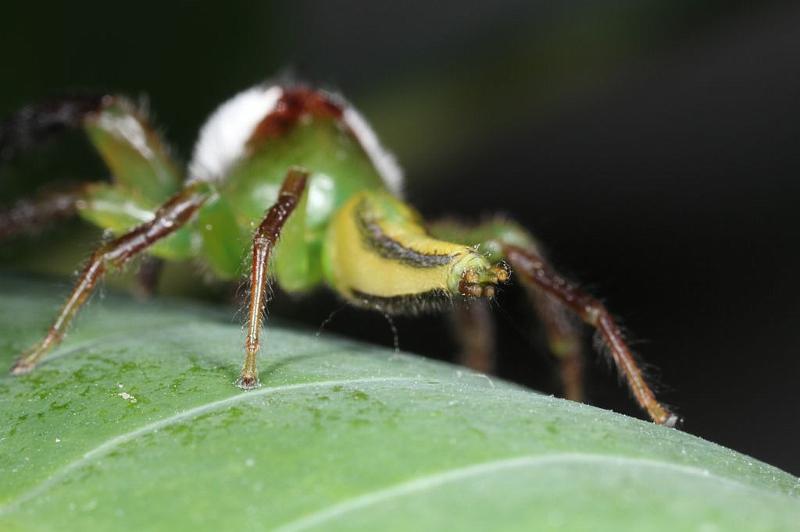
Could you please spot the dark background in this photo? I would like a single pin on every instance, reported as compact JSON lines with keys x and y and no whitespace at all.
{"x":651,"y":145}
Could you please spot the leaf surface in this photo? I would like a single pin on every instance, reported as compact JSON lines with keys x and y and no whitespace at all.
{"x":134,"y":424}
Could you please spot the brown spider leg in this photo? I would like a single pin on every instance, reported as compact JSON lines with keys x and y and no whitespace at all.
{"x":36,"y":123}
{"x":563,"y":339}
{"x":533,"y":269}
{"x":33,"y":214}
{"x":148,"y":276}
{"x":170,"y":217}
{"x":474,"y":330}
{"x":264,"y":241}
{"x":563,"y":334}
{"x":475,"y":333}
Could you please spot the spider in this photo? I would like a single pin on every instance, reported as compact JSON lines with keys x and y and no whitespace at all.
{"x":334,"y":197}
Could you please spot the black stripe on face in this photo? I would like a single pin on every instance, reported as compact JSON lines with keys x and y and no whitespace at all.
{"x":391,"y":249}
{"x":430,"y":302}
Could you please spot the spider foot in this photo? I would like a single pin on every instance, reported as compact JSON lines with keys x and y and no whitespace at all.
{"x":22,"y":366}
{"x":673,"y":422}
{"x":248,"y":382}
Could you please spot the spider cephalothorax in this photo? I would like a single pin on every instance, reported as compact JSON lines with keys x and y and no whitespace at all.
{"x":333,"y":196}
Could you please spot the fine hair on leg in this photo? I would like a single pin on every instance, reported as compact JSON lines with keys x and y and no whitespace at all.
{"x":264,"y":240}
{"x":562,"y":331}
{"x":36,"y":123}
{"x":564,"y":339}
{"x":535,"y":270}
{"x":31,"y":215}
{"x":170,"y":217}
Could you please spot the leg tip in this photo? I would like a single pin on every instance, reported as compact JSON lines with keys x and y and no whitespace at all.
{"x":21,"y":368}
{"x":248,"y":382}
{"x":673,"y":421}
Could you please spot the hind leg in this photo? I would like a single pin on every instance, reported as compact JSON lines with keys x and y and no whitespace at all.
{"x":32,"y":215}
{"x":34,"y":124}
{"x":120,"y":131}
{"x":143,"y":174}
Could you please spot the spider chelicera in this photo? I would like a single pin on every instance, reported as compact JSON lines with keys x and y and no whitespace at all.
{"x":333,"y":196}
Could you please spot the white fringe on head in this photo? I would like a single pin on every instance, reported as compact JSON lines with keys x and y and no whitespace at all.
{"x":224,"y":137}
{"x":225,"y":134}
{"x":384,"y":162}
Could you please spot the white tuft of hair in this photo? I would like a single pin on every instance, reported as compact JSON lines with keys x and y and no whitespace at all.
{"x":224,"y":136}
{"x":384,"y":162}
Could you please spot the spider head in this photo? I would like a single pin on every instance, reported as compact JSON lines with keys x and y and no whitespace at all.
{"x":476,"y":277}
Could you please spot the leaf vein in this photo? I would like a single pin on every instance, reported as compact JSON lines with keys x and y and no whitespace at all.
{"x":435,"y":480}
{"x":112,"y":443}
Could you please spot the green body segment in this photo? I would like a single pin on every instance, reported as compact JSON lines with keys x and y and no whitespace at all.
{"x":338,"y":167}
{"x":143,"y":173}
{"x":348,"y":231}
{"x":332,"y":221}
{"x":221,"y":234}
{"x":138,"y":160}
{"x":489,"y":237}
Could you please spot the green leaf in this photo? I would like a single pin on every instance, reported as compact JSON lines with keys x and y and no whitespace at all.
{"x":134,"y":424}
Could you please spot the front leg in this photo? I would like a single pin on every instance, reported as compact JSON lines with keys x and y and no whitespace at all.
{"x":264,"y":241}
{"x":170,"y":217}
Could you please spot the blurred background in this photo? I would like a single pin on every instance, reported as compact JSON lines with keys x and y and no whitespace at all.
{"x":652,"y":145}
